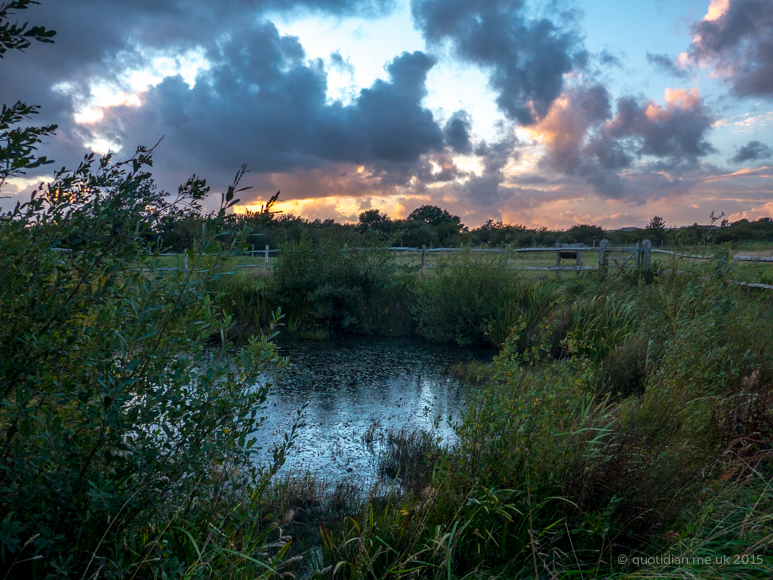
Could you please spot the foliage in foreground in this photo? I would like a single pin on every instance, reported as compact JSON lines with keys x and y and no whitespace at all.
{"x":127,"y":441}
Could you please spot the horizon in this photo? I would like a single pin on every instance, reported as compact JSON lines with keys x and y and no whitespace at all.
{"x":668,"y":226}
{"x":547,"y":114}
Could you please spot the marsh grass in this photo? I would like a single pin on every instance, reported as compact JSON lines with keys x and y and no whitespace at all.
{"x":243,"y":296}
{"x":730,"y":536}
{"x":597,"y":326}
{"x":623,"y":415}
{"x":409,"y":456}
{"x":474,"y":300}
{"x":648,"y":433}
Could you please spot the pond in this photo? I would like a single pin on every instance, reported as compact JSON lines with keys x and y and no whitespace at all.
{"x":353,"y":384}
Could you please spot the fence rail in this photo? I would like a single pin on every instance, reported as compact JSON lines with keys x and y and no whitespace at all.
{"x":639,"y":255}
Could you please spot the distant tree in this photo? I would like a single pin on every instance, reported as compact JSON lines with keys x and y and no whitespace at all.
{"x":656,"y":229}
{"x":448,"y":226}
{"x":434,"y":216}
{"x":583,"y":234}
{"x":657,"y":224}
{"x":372,"y":218}
{"x":498,"y":234}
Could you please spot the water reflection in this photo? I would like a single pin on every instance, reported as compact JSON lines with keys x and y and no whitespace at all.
{"x":349,"y":385}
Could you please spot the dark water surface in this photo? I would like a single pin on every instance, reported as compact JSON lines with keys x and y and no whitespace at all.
{"x":348,"y":385}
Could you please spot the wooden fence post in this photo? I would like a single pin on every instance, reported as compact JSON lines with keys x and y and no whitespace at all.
{"x":558,"y":260}
{"x":646,"y":248}
{"x":579,"y":263}
{"x":423,"y":251}
{"x":639,"y":259}
{"x":266,"y":256}
{"x":603,"y":255}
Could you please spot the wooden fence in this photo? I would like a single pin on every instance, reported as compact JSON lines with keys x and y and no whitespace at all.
{"x":638,"y":256}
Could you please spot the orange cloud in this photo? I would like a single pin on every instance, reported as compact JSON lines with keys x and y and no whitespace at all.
{"x":676,"y":98}
{"x":753,"y":214}
{"x":717,"y":9}
{"x":745,"y":172}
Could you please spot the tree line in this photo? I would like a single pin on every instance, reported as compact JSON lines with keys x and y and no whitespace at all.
{"x":433,"y":226}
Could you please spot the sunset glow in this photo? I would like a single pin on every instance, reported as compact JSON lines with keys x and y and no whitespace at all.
{"x":486,"y":110}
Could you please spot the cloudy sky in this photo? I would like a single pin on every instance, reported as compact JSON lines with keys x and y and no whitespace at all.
{"x":545,"y":113}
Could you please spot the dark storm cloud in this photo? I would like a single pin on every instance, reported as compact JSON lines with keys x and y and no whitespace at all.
{"x":584,"y":139}
{"x":575,"y":143}
{"x":666,"y":64}
{"x":486,"y":190}
{"x":457,"y":132}
{"x":752,"y":151}
{"x":338,"y":62}
{"x":740,"y":44}
{"x":97,"y":40}
{"x":676,"y":134}
{"x":90,"y":33}
{"x":526,"y":58}
{"x":496,"y":155}
{"x":263,"y":104}
{"x":567,"y":124}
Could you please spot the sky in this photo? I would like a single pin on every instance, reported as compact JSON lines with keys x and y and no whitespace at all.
{"x":544,"y":113}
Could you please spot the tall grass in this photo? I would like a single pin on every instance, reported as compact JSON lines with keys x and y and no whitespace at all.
{"x":357,"y":291}
{"x":244,"y":298}
{"x":566,"y":463}
{"x":628,"y":417}
{"x":472,"y":300}
{"x":592,"y":328}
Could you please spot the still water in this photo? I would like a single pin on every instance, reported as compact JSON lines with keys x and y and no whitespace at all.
{"x":350,"y":385}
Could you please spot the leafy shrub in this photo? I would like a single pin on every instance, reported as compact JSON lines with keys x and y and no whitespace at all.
{"x":472,"y":299}
{"x":592,"y":328}
{"x":356,"y":291}
{"x":124,"y":437}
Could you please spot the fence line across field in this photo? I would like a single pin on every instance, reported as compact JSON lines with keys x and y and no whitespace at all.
{"x":640,"y":255}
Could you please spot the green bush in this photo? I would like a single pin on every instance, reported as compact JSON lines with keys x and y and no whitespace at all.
{"x":349,"y":290}
{"x":126,"y":437}
{"x":471,"y":299}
